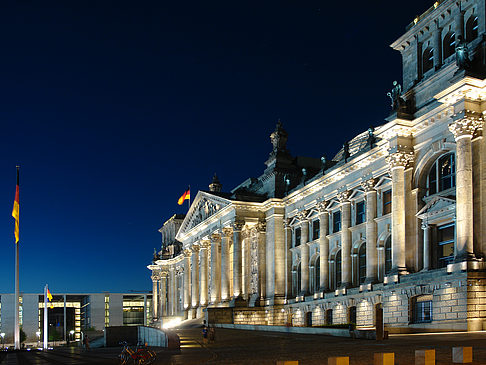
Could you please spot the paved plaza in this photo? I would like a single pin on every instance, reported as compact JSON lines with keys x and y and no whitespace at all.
{"x":250,"y":347}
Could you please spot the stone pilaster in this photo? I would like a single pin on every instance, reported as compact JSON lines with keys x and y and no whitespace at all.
{"x":288,"y":261}
{"x":163,"y":293}
{"x":371,"y":231}
{"x":187,"y":279}
{"x":155,"y":296}
{"x":397,"y":162}
{"x":463,"y":131}
{"x":304,"y":254}
{"x":195,"y":276}
{"x":225,"y":263}
{"x":237,"y":258}
{"x":323,"y":246}
{"x":203,"y":273}
{"x":426,"y":229}
{"x":459,"y":22}
{"x":262,"y":259}
{"x":437,"y":45}
{"x":215,"y":283}
{"x":346,"y":279}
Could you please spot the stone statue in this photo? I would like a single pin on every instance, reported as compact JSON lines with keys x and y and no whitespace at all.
{"x":346,"y":151}
{"x":323,"y":162}
{"x":394,"y":94}
{"x":462,"y":54}
{"x":371,"y":137}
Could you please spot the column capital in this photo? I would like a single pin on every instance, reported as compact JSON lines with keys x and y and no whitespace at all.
{"x":424,"y":225}
{"x":302,"y":216}
{"x":400,"y":159}
{"x":261,"y":226}
{"x":187,"y":252}
{"x":238,"y":224}
{"x":226,"y":232}
{"x":155,"y":278}
{"x":343,"y":196}
{"x":205,"y":244}
{"x":467,"y":126}
{"x":322,"y":207}
{"x":164,"y":274}
{"x":286,"y":223}
{"x":368,"y":185}
{"x":195,"y":248}
{"x":215,"y":238}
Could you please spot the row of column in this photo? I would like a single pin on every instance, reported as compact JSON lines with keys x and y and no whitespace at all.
{"x":164,"y":293}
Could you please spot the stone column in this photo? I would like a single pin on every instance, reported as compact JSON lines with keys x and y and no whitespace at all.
{"x":371,"y":232}
{"x":187,"y":278}
{"x":262,"y":259}
{"x":172,"y":308}
{"x":195,"y":276}
{"x":304,"y":254}
{"x":418,"y":50}
{"x":437,"y":45}
{"x":426,"y":229}
{"x":463,"y":131}
{"x":288,"y":257}
{"x":397,"y":162}
{"x":323,"y":246}
{"x":237,"y":262}
{"x":345,"y":239}
{"x":203,"y":273}
{"x":163,"y":293}
{"x":215,"y":268}
{"x":225,"y":263}
{"x":155,"y":296}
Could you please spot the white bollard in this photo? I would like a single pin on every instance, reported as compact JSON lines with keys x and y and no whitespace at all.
{"x":340,"y":360}
{"x":384,"y":358}
{"x":462,"y":355}
{"x":424,"y":357}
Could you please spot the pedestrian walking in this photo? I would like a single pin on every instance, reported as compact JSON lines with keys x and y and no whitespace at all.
{"x":86,"y":342}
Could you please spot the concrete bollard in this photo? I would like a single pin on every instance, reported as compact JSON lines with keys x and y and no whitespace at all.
{"x":462,"y":355}
{"x":384,"y":358}
{"x":424,"y":357}
{"x":287,"y":363}
{"x":340,"y":360}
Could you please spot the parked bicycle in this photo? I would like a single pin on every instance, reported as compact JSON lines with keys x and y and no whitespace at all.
{"x":140,"y":356}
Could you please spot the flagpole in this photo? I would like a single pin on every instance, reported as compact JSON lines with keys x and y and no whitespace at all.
{"x":45,"y":318}
{"x":17,"y":290}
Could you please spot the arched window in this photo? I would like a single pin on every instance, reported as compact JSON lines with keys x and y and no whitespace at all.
{"x":317,"y":274}
{"x":338,"y":270}
{"x":362,"y":263}
{"x":472,"y":26}
{"x":388,"y":255}
{"x":442,"y":175}
{"x":449,"y":44}
{"x":428,"y":59}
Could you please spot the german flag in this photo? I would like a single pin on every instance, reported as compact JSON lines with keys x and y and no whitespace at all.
{"x":185,"y":196}
{"x":16,"y":209}
{"x":49,"y":298}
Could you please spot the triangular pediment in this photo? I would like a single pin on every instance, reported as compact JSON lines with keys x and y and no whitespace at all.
{"x":436,"y":206}
{"x":204,"y":206}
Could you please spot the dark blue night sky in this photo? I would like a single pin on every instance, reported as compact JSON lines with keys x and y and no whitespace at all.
{"x":112,"y":108}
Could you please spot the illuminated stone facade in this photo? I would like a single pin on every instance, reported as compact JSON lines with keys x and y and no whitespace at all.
{"x":395,"y":222}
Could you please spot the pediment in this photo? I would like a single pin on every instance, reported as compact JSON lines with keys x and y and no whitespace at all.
{"x":436,"y":206}
{"x":204,"y":206}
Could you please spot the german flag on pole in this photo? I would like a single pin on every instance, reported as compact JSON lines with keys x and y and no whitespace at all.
{"x":49,"y":298}
{"x":16,"y":209}
{"x":185,"y":196}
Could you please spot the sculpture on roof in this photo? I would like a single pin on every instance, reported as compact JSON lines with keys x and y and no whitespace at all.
{"x":394,"y":95}
{"x":279,"y":138}
{"x":462,"y":54}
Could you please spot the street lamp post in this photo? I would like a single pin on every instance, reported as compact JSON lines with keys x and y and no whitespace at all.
{"x":38,"y":333}
{"x":2,"y":335}
{"x":71,"y":335}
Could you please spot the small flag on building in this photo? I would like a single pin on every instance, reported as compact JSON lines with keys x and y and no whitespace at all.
{"x":16,"y":209}
{"x":185,"y":196}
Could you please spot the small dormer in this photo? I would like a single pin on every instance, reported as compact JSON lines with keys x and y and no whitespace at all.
{"x":430,"y":43}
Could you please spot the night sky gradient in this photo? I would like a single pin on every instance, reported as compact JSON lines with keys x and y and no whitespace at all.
{"x":113,"y":108}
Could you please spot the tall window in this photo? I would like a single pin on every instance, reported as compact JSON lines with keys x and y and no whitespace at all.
{"x":445,"y":245}
{"x":298,"y":277}
{"x":422,"y":309}
{"x":317,"y":274}
{"x":388,"y":255}
{"x":297,"y":236}
{"x":449,"y":44}
{"x":338,"y":269}
{"x":360,"y":212}
{"x":329,"y":316}
{"x":336,"y":221}
{"x":362,"y":263}
{"x":315,"y":229}
{"x":472,"y":27}
{"x":428,"y":60}
{"x":442,"y":175}
{"x":387,"y":202}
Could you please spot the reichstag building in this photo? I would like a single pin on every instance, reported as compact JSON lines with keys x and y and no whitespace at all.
{"x":392,"y":229}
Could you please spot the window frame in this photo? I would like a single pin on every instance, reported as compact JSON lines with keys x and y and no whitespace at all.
{"x":436,"y":179}
{"x":386,"y":203}
{"x":336,"y":213}
{"x":422,"y":309}
{"x":316,"y":223}
{"x":359,"y":214}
